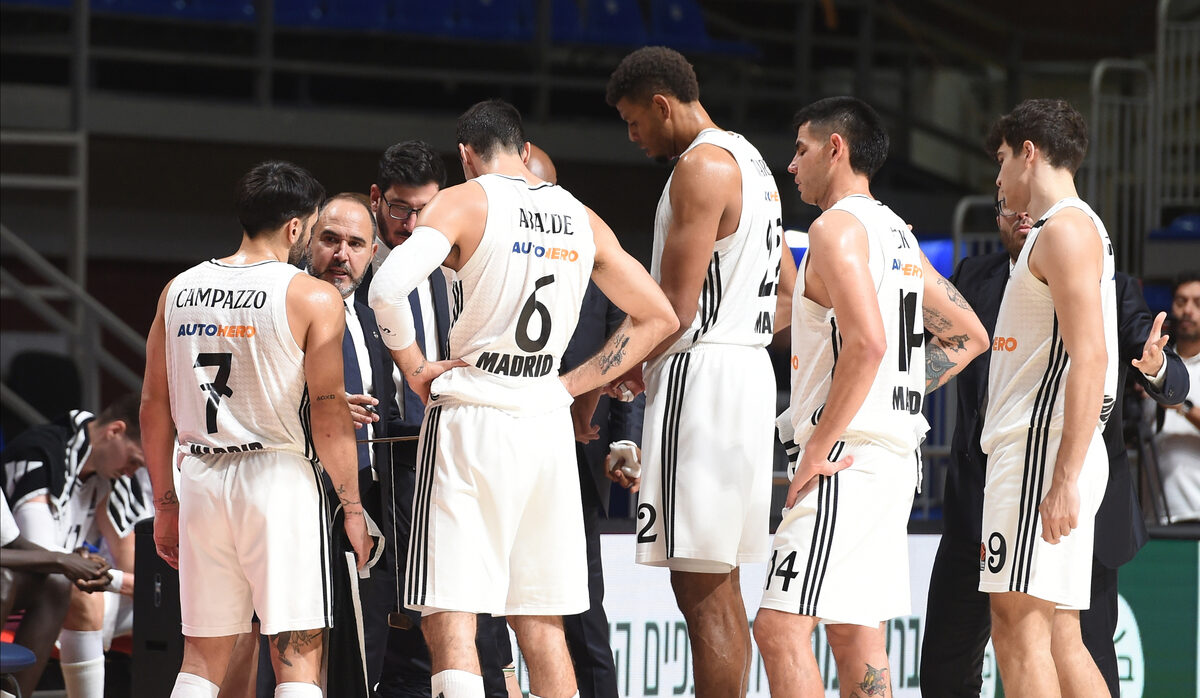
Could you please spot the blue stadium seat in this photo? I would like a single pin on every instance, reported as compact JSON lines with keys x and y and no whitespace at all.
{"x":332,"y":14}
{"x":495,"y":19}
{"x":616,"y":22}
{"x":240,"y":11}
{"x":38,"y":3}
{"x":566,"y":24}
{"x":940,"y":252}
{"x":425,"y":17}
{"x":680,"y":25}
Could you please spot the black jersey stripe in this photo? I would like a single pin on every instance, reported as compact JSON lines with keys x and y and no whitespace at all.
{"x":417,"y":580}
{"x":305,"y":415}
{"x":676,"y":388}
{"x":1035,"y":465}
{"x":325,"y":514}
{"x":819,"y":547}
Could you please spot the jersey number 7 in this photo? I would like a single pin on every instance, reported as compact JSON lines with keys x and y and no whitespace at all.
{"x":218,"y":388}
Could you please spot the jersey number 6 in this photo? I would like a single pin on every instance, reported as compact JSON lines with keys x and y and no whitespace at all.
{"x":532,"y":305}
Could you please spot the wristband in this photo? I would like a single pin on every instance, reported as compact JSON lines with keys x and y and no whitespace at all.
{"x":117,"y":578}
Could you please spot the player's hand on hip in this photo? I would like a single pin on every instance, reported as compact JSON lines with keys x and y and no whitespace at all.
{"x":1060,"y":512}
{"x":805,"y":480}
{"x":166,"y":535}
{"x":356,"y":530}
{"x":362,"y":409}
{"x":582,"y":410}
{"x":1151,"y":360}
{"x":420,"y":379}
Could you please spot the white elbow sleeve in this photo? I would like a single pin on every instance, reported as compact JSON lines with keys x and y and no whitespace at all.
{"x":403,"y":269}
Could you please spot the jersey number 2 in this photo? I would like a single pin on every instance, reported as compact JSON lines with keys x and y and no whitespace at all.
{"x":218,"y":388}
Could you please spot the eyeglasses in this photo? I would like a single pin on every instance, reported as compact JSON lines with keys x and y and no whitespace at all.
{"x":400,"y":212}
{"x":1002,"y":210}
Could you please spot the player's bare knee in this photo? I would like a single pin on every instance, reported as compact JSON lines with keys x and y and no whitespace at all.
{"x":57,"y":589}
{"x":84,"y":611}
{"x":774,"y":632}
{"x":855,"y":640}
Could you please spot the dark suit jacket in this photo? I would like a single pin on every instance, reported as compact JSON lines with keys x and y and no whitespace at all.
{"x":598,"y":317}
{"x":1120,"y":531}
{"x":389,"y":423}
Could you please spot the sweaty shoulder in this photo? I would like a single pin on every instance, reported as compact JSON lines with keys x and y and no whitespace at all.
{"x":307,"y":296}
{"x":706,"y":161}
{"x":453,"y":205}
{"x":834,"y":224}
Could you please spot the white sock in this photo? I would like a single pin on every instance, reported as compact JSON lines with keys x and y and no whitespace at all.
{"x":75,"y":646}
{"x":192,"y":686}
{"x":84,"y":679}
{"x":296,"y":689}
{"x":455,"y":683}
{"x":573,"y":695}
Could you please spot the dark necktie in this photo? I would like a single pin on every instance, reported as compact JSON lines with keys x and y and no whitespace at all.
{"x":353,"y":379}
{"x":414,"y":410}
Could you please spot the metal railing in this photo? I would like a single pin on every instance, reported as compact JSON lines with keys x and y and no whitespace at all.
{"x":1121,"y":171}
{"x":1177,"y":65}
{"x":84,"y":333}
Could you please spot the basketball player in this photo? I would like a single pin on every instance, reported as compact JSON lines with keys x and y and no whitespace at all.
{"x":710,"y":388}
{"x":244,"y":360}
{"x":865,"y":296}
{"x":74,"y":485}
{"x":497,"y":525}
{"x":1051,"y":387}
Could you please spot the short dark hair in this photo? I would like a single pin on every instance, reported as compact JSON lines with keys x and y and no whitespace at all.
{"x":126,"y":409}
{"x":355,"y":197}
{"x":1053,"y":125}
{"x":274,"y":192}
{"x":489,"y":125}
{"x":411,"y":164}
{"x":652,"y":70}
{"x":856,"y":122}
{"x":1187,"y":276}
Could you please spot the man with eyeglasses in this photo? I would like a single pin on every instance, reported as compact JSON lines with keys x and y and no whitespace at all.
{"x":410,"y":174}
{"x":958,"y":620}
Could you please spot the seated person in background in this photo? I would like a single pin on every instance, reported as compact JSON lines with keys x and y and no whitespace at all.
{"x":38,"y":581}
{"x":58,"y":477}
{"x":1178,"y":438}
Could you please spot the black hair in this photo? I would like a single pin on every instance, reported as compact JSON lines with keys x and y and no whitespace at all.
{"x":274,"y":192}
{"x":126,"y":409}
{"x":1188,"y":276}
{"x":489,"y":125}
{"x":652,"y":70}
{"x":856,"y":122}
{"x":411,"y":164}
{"x":1053,"y":125}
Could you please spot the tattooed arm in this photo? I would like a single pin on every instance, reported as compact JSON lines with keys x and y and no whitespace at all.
{"x":648,"y":316}
{"x":958,"y":336}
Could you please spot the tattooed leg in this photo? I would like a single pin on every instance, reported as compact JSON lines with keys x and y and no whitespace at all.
{"x":862,"y":660}
{"x":296,"y":655}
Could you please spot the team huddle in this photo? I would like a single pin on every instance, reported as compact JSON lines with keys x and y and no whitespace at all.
{"x":248,"y":411}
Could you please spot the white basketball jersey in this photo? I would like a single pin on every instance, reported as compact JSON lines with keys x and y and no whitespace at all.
{"x":891,"y":414}
{"x":517,"y":298}
{"x":737,"y":302}
{"x":236,"y":373}
{"x":1029,"y":364}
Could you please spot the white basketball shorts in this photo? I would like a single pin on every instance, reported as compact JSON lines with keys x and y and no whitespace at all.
{"x":841,"y":553}
{"x":497,"y":524}
{"x":253,"y":537}
{"x":1013,"y":556}
{"x":707,"y":457}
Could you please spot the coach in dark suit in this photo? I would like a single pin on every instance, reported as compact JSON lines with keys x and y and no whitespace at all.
{"x":587,"y":632}
{"x":958,"y":620}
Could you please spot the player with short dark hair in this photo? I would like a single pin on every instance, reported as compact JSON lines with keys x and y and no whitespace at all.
{"x":244,"y":362}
